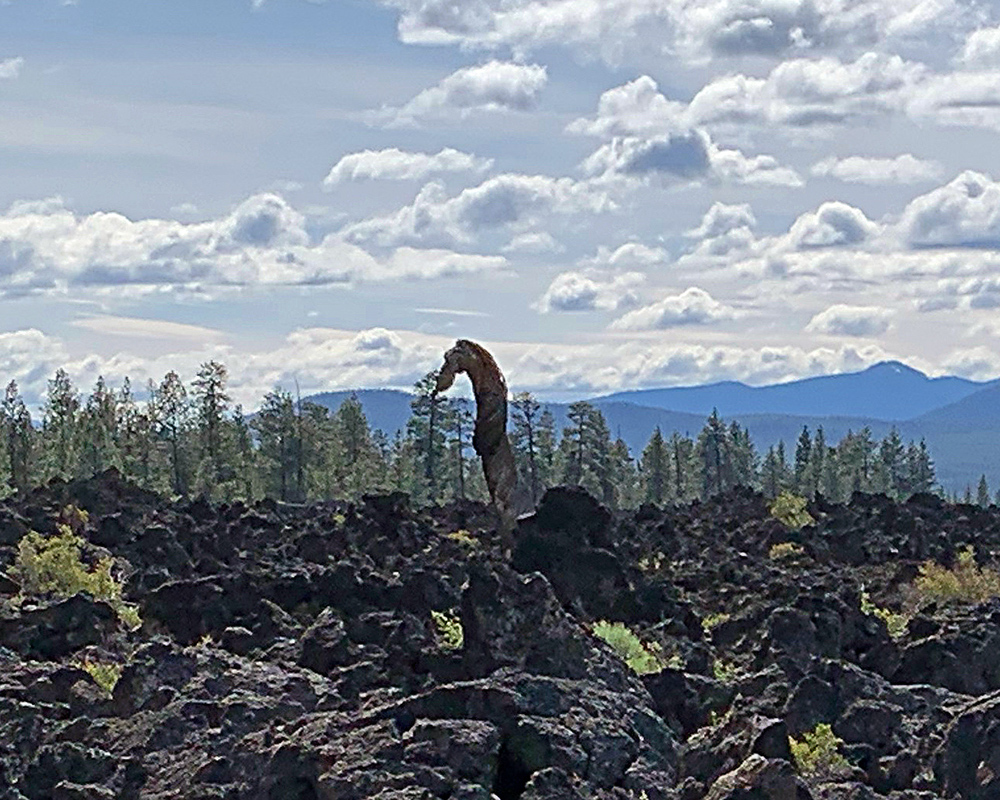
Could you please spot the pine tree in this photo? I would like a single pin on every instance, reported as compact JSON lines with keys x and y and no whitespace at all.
{"x":983,"y":493}
{"x":426,"y":432}
{"x":682,"y":457}
{"x":548,"y":446}
{"x":211,"y":403}
{"x":244,"y":457}
{"x":60,"y":433}
{"x":173,"y":420}
{"x":357,"y":451}
{"x":920,"y":468}
{"x":654,"y":467}
{"x":771,"y":474}
{"x":892,"y":466}
{"x":803,"y":453}
{"x":624,"y":476}
{"x":18,"y":438}
{"x":526,"y":413}
{"x":715,"y":456}
{"x":460,"y":444}
{"x":99,"y":431}
{"x":817,"y":463}
{"x":276,"y":427}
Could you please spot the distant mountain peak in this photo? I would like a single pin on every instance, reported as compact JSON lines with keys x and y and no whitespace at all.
{"x":897,"y":367}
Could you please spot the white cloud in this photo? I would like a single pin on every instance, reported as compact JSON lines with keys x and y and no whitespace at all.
{"x":136,"y":328}
{"x":962,"y":213}
{"x":534,"y":242}
{"x":981,"y":49}
{"x":693,"y":306}
{"x":977,"y":363}
{"x":46,"y":248}
{"x":630,"y":254}
{"x":832,"y":224}
{"x":400,"y":165}
{"x":10,"y":67}
{"x":690,"y":156}
{"x":844,"y":320}
{"x":491,"y":87}
{"x":875,"y":171}
{"x":590,"y":290}
{"x":695,"y":30}
{"x":500,"y":202}
{"x":636,"y":108}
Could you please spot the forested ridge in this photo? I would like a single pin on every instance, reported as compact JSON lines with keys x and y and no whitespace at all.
{"x":191,"y":439}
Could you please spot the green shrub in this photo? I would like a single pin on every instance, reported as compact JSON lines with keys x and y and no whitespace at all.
{"x":790,"y":510}
{"x":463,"y":537}
{"x":724,"y":671}
{"x":714,"y":621}
{"x":54,"y":566}
{"x":642,"y":659}
{"x":963,"y":583}
{"x":105,"y":674}
{"x":784,"y":550}
{"x":896,"y":623}
{"x":450,"y":635}
{"x":818,"y":752}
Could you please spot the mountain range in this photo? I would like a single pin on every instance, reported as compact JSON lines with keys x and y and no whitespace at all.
{"x":958,"y":418}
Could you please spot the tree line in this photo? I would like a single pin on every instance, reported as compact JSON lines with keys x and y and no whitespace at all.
{"x":190,"y":439}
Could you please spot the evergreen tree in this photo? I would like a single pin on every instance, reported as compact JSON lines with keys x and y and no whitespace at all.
{"x":426,"y":432}
{"x":682,"y":457}
{"x":60,"y":435}
{"x":211,"y":404}
{"x":745,"y":462}
{"x":654,"y":468}
{"x":18,"y":438}
{"x":919,"y":468}
{"x":173,"y":420}
{"x":771,"y":474}
{"x":547,"y":447}
{"x":803,"y":454}
{"x":892,"y":466}
{"x":460,"y":444}
{"x":276,"y":426}
{"x":353,"y":434}
{"x":715,"y":456}
{"x":99,"y":431}
{"x":983,"y":493}
{"x":526,"y":413}
{"x":817,"y":463}
{"x":244,"y":457}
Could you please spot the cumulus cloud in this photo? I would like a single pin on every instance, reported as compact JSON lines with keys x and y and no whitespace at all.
{"x":434,"y":219}
{"x":400,"y":165}
{"x":693,"y":306}
{"x":977,"y":363}
{"x":832,"y":224}
{"x":534,"y":242}
{"x":490,"y":87}
{"x":695,"y":30}
{"x":630,"y":254}
{"x":47,"y":248}
{"x":10,"y":67}
{"x":981,"y":49}
{"x":590,"y":290}
{"x":636,"y":108}
{"x":906,"y":168}
{"x":962,"y":213}
{"x":844,"y":320}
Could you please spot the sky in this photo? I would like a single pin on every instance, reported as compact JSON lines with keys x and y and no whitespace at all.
{"x":608,"y":194}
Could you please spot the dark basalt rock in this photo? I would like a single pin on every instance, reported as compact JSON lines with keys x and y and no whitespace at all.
{"x":291,"y":652}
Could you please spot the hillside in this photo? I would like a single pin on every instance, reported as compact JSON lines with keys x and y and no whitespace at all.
{"x":384,"y":651}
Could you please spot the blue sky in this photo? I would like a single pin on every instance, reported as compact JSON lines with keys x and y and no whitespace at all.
{"x":608,"y":193}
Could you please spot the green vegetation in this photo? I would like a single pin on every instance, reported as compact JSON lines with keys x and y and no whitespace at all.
{"x":896,"y":623}
{"x":817,"y":754}
{"x":790,"y":510}
{"x":190,"y":438}
{"x":54,"y":566}
{"x":966,"y":582}
{"x":463,"y":537}
{"x":725,"y":671}
{"x":643,"y":659}
{"x":784,"y":550}
{"x":714,"y":621}
{"x":105,"y":674}
{"x":450,"y":635}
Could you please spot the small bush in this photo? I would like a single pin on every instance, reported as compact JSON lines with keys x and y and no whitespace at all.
{"x":784,"y":550}
{"x":963,"y":583}
{"x":896,"y":623}
{"x":642,"y":659}
{"x":818,"y":752}
{"x":54,"y":566}
{"x":463,"y":537}
{"x":652,"y":564}
{"x":724,"y":671}
{"x":790,"y":510}
{"x":714,"y":621}
{"x":105,"y":675}
{"x":450,"y":635}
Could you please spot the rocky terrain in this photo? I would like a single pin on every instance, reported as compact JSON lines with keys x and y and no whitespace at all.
{"x":381,"y":651}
